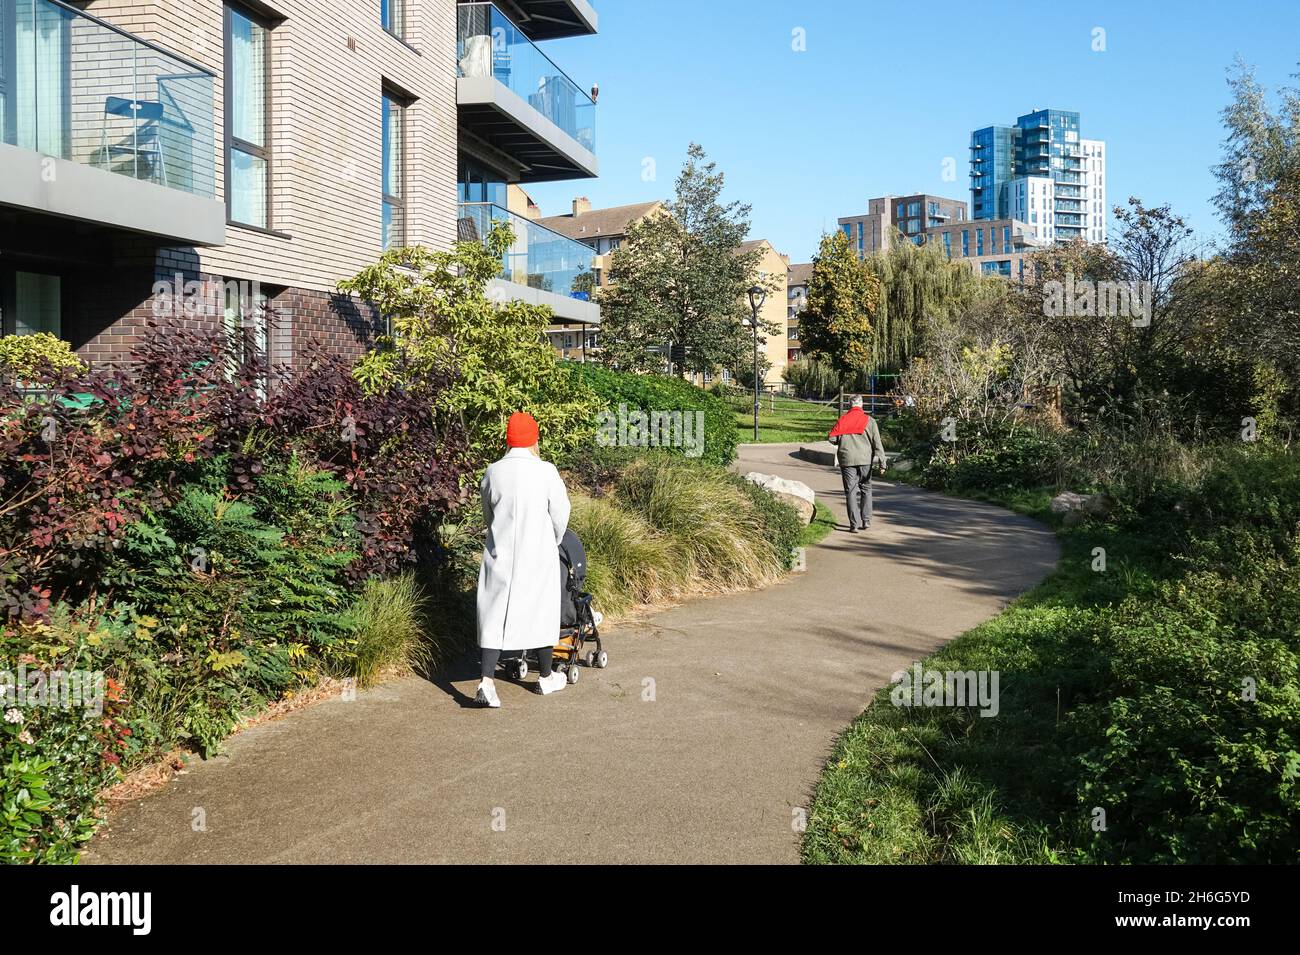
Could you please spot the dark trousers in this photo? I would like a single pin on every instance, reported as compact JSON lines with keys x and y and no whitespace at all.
{"x":491,"y":657}
{"x":857,"y":493}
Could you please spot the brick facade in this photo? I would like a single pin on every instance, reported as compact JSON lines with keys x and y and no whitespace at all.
{"x":108,"y":313}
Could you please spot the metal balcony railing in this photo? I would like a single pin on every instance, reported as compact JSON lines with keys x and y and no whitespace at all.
{"x":77,"y":88}
{"x":538,"y":257}
{"x":489,"y":44}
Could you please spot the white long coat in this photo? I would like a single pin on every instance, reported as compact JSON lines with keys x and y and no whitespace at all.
{"x":526,"y":508}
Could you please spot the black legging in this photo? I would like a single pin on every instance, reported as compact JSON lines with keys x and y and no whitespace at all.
{"x":491,"y":657}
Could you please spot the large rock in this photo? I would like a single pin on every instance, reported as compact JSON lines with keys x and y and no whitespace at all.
{"x":1078,"y":507}
{"x":795,"y":493}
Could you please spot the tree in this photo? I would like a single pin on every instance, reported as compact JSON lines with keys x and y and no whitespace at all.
{"x":1259,"y":199}
{"x":843,"y":299}
{"x":1162,"y":355}
{"x":497,"y":352}
{"x":982,"y":363}
{"x":679,"y":280}
{"x":919,"y":282}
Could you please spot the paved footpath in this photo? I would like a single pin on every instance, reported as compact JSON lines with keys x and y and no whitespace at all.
{"x":749,"y":693}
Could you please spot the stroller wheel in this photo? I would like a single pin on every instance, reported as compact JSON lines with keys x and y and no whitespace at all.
{"x":602,"y":660}
{"x":573,"y":673}
{"x":591,"y":658}
{"x":521,"y":669}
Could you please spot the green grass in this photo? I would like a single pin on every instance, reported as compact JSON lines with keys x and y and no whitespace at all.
{"x":389,"y":632}
{"x":928,"y":785}
{"x":823,"y":523}
{"x":781,"y":420}
{"x":665,"y":529}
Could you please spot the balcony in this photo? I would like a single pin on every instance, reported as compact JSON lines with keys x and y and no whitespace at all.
{"x":554,"y":19}
{"x":541,"y":267}
{"x":513,"y":98}
{"x":102,"y":127}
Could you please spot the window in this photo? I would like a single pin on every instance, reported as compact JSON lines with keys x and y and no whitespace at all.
{"x":394,"y":212}
{"x":1006,"y":238}
{"x":979,"y":241}
{"x":392,"y":14}
{"x":965,"y":243}
{"x":248,"y":153}
{"x":31,"y":303}
{"x":35,"y":40}
{"x":245,"y":319}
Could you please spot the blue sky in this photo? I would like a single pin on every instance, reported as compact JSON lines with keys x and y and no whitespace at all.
{"x":885,"y":91}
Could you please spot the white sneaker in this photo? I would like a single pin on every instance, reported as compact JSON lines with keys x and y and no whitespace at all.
{"x":551,"y":684}
{"x":487,"y":695}
{"x":597,"y":617}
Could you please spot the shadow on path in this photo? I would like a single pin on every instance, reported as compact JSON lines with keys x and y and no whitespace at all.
{"x":698,"y":744}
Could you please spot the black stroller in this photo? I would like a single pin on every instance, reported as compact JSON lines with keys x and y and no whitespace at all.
{"x":577,"y":620}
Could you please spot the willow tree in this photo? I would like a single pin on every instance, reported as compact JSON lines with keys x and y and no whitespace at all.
{"x":919,"y":281}
{"x":843,"y":300}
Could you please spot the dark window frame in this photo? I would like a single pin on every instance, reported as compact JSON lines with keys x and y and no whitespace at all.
{"x":9,"y":297}
{"x":402,"y":101}
{"x":399,"y":32}
{"x":232,"y":142}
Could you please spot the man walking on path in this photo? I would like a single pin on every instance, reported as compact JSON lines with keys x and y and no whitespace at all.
{"x":859,"y":451}
{"x":526,"y":508}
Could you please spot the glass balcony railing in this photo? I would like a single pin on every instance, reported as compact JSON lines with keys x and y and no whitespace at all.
{"x":489,"y":44}
{"x":538,"y":258}
{"x":74,"y":87}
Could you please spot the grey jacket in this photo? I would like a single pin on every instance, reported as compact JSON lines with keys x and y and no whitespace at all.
{"x":860,"y":450}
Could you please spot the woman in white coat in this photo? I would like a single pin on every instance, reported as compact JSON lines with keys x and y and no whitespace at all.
{"x":526,"y":508}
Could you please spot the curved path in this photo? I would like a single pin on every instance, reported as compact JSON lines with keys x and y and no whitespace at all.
{"x":749,"y":693}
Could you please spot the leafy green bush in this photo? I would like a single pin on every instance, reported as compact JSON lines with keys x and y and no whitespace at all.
{"x":28,"y":357}
{"x":1165,"y":690}
{"x":649,"y":393}
{"x":1193,"y":745}
{"x":494,"y":355}
{"x":989,"y":456}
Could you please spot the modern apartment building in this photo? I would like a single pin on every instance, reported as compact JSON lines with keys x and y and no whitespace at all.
{"x":601,"y":231}
{"x":910,"y":215}
{"x":248,"y":155}
{"x":1042,"y":172}
{"x":989,"y":246}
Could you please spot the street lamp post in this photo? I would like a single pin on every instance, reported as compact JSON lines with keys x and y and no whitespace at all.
{"x":756,"y":298}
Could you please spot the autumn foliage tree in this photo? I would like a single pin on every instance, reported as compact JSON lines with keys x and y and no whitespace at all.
{"x":843,"y":298}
